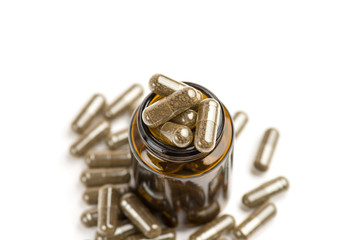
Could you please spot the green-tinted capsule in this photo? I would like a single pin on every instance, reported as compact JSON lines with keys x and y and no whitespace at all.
{"x":90,"y":195}
{"x":256,"y":219}
{"x":187,"y":118}
{"x":100,"y":176}
{"x":214,"y":229}
{"x":124,"y":101}
{"x":108,"y":159}
{"x":204,"y":214}
{"x":240,"y":120}
{"x":167,"y":234}
{"x":140,"y":215}
{"x":90,"y":137}
{"x":89,"y":112}
{"x":175,"y":134}
{"x":90,"y":217}
{"x":108,"y":210}
{"x":170,"y":106}
{"x":266,"y":149}
{"x":207,"y":125}
{"x":123,"y":230}
{"x":117,"y":139}
{"x":263,"y":193}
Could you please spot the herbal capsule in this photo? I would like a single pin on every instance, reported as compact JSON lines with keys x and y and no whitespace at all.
{"x":108,"y":210}
{"x":214,"y":229}
{"x":167,"y":234}
{"x":90,"y":137}
{"x":263,"y":193}
{"x":259,"y":217}
{"x":88,"y":113}
{"x":123,"y":230}
{"x":239,"y":119}
{"x":117,"y":139}
{"x":164,"y":86}
{"x":175,"y":134}
{"x":124,"y":101}
{"x":187,"y":118}
{"x":101,"y":176}
{"x":266,"y":149}
{"x":90,"y":195}
{"x":207,"y":125}
{"x":89,"y":217}
{"x":204,"y":214}
{"x":108,"y":159}
{"x":140,"y":215}
{"x":169,"y":107}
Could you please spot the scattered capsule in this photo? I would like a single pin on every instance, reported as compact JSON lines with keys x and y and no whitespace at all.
{"x":108,"y":159}
{"x":263,"y":193}
{"x":123,"y":230}
{"x":240,"y":120}
{"x":91,"y":195}
{"x":108,"y":210}
{"x":167,"y":234}
{"x":207,"y":125}
{"x":95,"y":105}
{"x":204,"y":214}
{"x":214,"y":229}
{"x":175,"y":135}
{"x":90,"y":217}
{"x":256,"y":219}
{"x":170,"y":106}
{"x":101,"y":176}
{"x":266,"y":149}
{"x":187,"y":118}
{"x":140,"y":215}
{"x":90,"y":137}
{"x":117,"y":139}
{"x":124,"y":101}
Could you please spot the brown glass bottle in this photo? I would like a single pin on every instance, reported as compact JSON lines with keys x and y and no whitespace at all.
{"x":175,"y":182}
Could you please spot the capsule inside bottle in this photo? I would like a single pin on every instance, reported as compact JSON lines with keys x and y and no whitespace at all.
{"x":266,"y":149}
{"x":175,"y":134}
{"x":187,"y":118}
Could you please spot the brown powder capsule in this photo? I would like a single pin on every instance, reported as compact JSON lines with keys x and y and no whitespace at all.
{"x":256,"y":219}
{"x":240,"y":120}
{"x":266,"y":149}
{"x":89,"y":112}
{"x":117,"y":139}
{"x":174,"y":134}
{"x":108,"y":210}
{"x":169,"y":107}
{"x":101,"y":176}
{"x":90,"y":195}
{"x":90,"y":138}
{"x":187,"y":118}
{"x":204,"y":214}
{"x":207,"y":125}
{"x":89,"y":217}
{"x":108,"y":159}
{"x":123,"y":230}
{"x":263,"y":193}
{"x":214,"y":229}
{"x":124,"y":101}
{"x":167,"y":234}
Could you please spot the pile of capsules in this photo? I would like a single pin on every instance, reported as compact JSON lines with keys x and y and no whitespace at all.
{"x":120,"y":214}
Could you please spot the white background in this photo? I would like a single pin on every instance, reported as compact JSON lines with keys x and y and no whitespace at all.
{"x":293,"y":65}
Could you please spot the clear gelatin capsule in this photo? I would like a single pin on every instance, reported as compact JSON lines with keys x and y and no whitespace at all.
{"x":108,"y":210}
{"x":108,"y":159}
{"x":240,"y":120}
{"x":187,"y":118}
{"x":256,"y":219}
{"x":90,"y":217}
{"x":214,"y":229}
{"x":124,"y":101}
{"x":117,"y":139}
{"x":90,"y":195}
{"x":89,"y":112}
{"x":100,"y":176}
{"x":207,"y":125}
{"x":164,"y":86}
{"x":167,"y":234}
{"x":90,"y":137}
{"x":263,"y":193}
{"x":167,"y":108}
{"x":174,"y":134}
{"x":140,"y":215}
{"x":123,"y":230}
{"x":266,"y":149}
